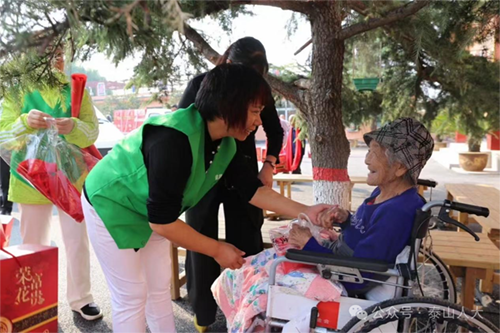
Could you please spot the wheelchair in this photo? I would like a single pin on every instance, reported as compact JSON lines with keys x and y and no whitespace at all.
{"x":391,"y":305}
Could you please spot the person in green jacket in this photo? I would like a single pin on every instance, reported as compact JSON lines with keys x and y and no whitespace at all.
{"x":26,"y":116}
{"x":133,"y":197}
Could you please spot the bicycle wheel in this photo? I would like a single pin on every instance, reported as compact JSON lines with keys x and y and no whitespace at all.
{"x":434,"y":277}
{"x":418,"y":315}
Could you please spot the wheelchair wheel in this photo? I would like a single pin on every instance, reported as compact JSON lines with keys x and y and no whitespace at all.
{"x":422,"y":315}
{"x":435,"y":278}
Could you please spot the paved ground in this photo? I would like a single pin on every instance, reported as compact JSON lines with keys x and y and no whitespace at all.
{"x":69,"y":322}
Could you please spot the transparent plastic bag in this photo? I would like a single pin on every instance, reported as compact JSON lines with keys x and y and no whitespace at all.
{"x":279,"y":235}
{"x":54,"y":167}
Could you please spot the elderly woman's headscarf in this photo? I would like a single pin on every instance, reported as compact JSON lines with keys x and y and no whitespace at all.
{"x":409,"y":141}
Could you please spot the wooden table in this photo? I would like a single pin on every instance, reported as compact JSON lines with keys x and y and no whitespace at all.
{"x":479,"y":195}
{"x":468,"y":259}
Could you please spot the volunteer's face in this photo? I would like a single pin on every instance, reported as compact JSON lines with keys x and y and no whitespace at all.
{"x":253,"y":121}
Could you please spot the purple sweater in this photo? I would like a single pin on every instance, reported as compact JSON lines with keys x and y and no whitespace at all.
{"x":378,"y":231}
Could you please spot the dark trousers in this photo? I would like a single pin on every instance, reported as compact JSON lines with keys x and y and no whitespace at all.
{"x":243,"y":224}
{"x":5,"y":204}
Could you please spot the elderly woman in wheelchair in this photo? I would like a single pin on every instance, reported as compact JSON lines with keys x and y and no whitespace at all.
{"x":371,"y":259}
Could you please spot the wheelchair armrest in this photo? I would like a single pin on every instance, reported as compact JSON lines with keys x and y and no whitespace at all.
{"x":336,"y":260}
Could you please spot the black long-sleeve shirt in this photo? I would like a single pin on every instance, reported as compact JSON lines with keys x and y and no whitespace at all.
{"x":168,"y":159}
{"x":270,"y":123}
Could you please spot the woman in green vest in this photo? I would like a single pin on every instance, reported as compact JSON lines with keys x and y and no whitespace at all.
{"x":133,"y":197}
{"x":26,"y":115}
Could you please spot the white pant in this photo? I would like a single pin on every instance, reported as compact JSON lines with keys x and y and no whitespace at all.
{"x":35,"y":229}
{"x":139,"y":282}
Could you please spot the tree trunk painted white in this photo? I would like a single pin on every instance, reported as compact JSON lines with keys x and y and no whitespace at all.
{"x":335,"y":193}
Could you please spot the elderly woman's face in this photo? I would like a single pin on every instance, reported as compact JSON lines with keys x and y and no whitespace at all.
{"x":380,"y":172}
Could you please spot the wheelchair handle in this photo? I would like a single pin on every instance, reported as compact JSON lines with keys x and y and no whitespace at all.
{"x":469,"y":209}
{"x":427,"y":182}
{"x":447,"y":205}
{"x":458,"y":206}
{"x":444,"y":217}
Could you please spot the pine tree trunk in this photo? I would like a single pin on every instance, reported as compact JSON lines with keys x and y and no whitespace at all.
{"x":329,"y":145}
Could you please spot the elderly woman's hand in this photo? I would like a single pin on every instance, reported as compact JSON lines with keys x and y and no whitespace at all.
{"x":313,"y":212}
{"x":326,"y":218}
{"x":299,"y":236}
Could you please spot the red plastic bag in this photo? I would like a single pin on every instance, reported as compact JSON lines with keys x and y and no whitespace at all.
{"x":78,"y":82}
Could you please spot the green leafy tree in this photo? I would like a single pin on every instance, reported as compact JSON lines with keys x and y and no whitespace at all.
{"x":120,"y":28}
{"x":428,"y":69}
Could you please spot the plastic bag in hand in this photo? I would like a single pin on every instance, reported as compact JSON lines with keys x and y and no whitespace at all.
{"x":54,"y":167}
{"x":279,"y":235}
{"x":279,"y":238}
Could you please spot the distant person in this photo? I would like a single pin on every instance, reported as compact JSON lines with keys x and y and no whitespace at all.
{"x":285,"y":125}
{"x":26,"y":115}
{"x":301,"y":150}
{"x":174,"y":108}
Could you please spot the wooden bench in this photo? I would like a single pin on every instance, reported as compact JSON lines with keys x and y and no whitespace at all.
{"x":479,"y":195}
{"x":468,"y":259}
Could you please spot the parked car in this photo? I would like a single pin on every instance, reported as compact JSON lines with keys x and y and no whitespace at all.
{"x":153,"y":112}
{"x":109,"y":134}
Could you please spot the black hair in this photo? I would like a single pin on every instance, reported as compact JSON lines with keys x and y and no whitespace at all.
{"x":228,"y":90}
{"x":247,"y":51}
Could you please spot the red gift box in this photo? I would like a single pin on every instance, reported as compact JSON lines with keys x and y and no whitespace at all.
{"x":28,"y":289}
{"x":7,"y":222}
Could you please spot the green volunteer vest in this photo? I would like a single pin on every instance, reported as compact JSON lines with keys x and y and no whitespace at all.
{"x":118,"y":188}
{"x":34,"y":100}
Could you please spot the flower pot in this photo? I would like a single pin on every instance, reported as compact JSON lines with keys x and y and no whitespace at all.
{"x":473,"y":161}
{"x":439,"y":145}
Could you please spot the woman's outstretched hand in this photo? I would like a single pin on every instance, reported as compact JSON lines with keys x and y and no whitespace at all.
{"x":228,"y":256}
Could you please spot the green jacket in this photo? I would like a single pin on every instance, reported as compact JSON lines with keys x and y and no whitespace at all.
{"x":13,"y":123}
{"x":118,"y":186}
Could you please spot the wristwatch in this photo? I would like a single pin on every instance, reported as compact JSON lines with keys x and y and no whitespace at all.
{"x":271,"y":163}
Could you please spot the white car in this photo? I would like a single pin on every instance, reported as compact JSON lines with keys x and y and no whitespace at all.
{"x":153,"y":112}
{"x":109,"y":134}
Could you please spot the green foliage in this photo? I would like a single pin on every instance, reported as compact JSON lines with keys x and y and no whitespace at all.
{"x":444,"y":125}
{"x":423,"y":60}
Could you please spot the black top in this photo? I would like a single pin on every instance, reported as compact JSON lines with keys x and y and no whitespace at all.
{"x":168,"y":159}
{"x":270,"y":122}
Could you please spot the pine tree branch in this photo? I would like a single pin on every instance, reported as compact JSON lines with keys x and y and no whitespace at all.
{"x":287,"y":90}
{"x":37,"y":39}
{"x":201,"y":44}
{"x":301,"y":6}
{"x":392,"y":16}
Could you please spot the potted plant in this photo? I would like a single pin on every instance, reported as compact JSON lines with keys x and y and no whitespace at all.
{"x":443,"y":128}
{"x":474,"y":159}
{"x":473,"y":100}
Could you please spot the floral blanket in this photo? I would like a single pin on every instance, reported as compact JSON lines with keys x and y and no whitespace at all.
{"x":242,"y":293}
